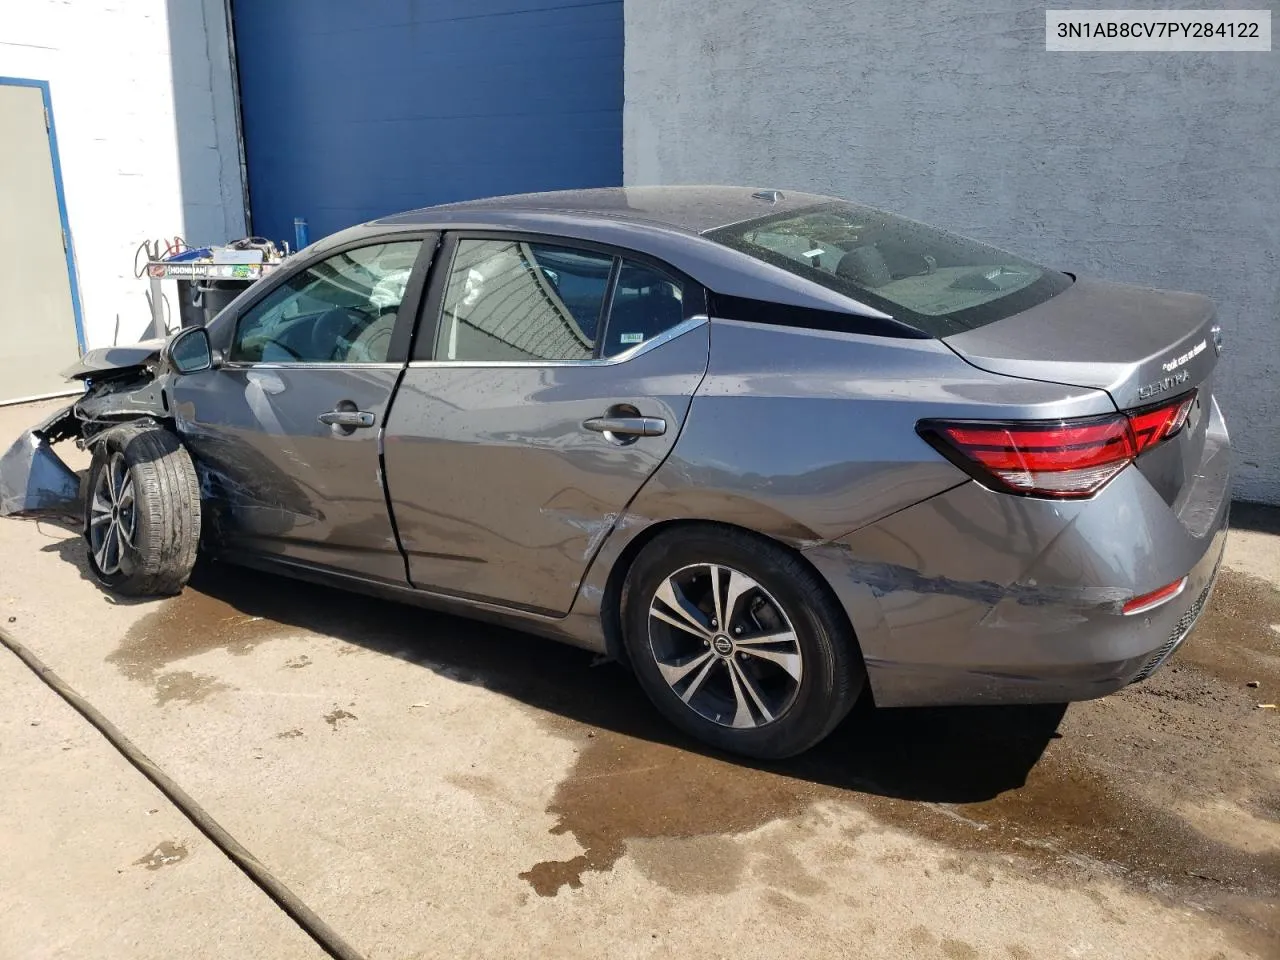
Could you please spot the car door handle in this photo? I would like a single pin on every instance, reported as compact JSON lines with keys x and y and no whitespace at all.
{"x":628,"y":426}
{"x":347,"y":418}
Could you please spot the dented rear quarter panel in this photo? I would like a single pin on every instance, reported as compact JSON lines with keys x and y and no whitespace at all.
{"x":974,"y":596}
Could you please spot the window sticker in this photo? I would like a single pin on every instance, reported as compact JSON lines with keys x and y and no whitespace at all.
{"x":631,"y":338}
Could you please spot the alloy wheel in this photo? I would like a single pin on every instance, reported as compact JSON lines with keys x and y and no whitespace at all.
{"x":113,"y":515}
{"x":725,"y":646}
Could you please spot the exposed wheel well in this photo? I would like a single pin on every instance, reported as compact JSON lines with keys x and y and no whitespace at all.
{"x":612,"y":604}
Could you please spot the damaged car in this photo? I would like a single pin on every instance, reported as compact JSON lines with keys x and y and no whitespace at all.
{"x":774,"y":451}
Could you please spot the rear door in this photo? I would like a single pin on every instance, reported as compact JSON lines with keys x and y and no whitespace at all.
{"x":287,"y":427}
{"x":550,"y":379}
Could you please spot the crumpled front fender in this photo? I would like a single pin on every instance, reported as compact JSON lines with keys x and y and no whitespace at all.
{"x":33,"y":479}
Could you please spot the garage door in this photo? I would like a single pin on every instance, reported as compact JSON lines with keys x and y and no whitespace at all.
{"x":37,"y":318}
{"x":355,"y":110}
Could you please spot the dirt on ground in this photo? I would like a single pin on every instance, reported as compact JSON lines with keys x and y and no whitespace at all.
{"x":1169,"y":786}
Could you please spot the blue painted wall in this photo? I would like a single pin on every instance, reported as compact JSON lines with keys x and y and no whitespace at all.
{"x":355,"y":110}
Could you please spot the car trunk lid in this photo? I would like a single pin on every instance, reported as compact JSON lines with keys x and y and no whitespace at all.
{"x":1139,"y":345}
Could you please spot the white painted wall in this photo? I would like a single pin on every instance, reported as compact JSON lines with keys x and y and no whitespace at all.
{"x":144,"y":111}
{"x":1156,"y":169}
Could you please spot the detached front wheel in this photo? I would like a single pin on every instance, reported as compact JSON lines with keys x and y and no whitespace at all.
{"x":142,"y":512}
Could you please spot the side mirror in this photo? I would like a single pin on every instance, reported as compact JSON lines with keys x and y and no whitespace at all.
{"x":190,"y":351}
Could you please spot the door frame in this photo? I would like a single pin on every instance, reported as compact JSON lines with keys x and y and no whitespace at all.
{"x":68,"y":244}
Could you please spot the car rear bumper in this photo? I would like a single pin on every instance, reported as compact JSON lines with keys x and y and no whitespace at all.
{"x":979,"y":597}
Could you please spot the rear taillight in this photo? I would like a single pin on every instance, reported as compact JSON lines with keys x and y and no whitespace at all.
{"x":1062,"y":459}
{"x":1149,"y":601}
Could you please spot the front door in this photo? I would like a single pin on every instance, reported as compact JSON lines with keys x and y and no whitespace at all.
{"x":556,"y":383}
{"x":287,"y":427}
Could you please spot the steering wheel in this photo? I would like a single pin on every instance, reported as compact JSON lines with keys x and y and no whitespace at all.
{"x":341,"y":324}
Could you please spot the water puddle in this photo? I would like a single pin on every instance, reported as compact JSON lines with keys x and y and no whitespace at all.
{"x":183,"y":686}
{"x":164,"y":854}
{"x":623,"y":790}
{"x":190,"y":624}
{"x":336,"y":716}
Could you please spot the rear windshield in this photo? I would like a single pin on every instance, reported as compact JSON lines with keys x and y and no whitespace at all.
{"x":935,"y":281}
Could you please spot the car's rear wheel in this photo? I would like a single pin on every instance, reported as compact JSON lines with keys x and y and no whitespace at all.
{"x":738,"y":641}
{"x":142,"y":512}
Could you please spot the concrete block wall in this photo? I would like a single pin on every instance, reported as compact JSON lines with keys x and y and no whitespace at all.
{"x":1156,"y":169}
{"x":144,"y":110}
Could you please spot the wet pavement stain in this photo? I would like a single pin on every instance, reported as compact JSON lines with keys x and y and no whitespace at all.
{"x":165,"y":854}
{"x":623,"y":789}
{"x":189,"y":624}
{"x":183,"y":686}
{"x":337,"y":715}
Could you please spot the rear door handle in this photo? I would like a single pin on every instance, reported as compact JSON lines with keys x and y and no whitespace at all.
{"x":347,"y":418}
{"x":628,"y":426}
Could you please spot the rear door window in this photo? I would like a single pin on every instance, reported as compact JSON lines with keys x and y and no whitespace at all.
{"x":646,"y":303}
{"x":510,"y":300}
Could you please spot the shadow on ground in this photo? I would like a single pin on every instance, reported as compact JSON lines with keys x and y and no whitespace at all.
{"x":1258,"y":517}
{"x":72,"y":550}
{"x":954,"y":755}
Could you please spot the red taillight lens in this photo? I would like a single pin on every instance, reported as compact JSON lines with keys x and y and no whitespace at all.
{"x":1149,"y":601}
{"x":1155,"y":424}
{"x":1062,"y":459}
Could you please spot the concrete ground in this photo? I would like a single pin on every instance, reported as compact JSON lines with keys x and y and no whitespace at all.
{"x":434,"y":787}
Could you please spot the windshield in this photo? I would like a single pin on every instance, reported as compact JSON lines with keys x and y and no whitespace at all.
{"x":935,"y":281}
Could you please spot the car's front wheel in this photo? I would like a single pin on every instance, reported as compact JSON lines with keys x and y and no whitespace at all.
{"x":738,"y":642}
{"x":142,"y":512}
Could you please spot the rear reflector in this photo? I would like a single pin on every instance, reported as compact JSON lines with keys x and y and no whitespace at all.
{"x":1062,"y":459}
{"x":1149,"y":601}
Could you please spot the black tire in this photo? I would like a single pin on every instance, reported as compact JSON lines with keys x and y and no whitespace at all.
{"x":155,"y":539}
{"x":786,"y":589}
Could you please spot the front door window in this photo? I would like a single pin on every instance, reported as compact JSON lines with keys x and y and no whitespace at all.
{"x":340,"y":310}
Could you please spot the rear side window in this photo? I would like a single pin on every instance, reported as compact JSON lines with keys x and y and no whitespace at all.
{"x":646,"y":302}
{"x":511,"y":300}
{"x":935,"y":281}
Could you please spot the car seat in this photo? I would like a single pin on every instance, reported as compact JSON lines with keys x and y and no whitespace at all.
{"x":865,"y":266}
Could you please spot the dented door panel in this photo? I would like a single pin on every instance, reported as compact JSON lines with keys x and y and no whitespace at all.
{"x":281,"y":482}
{"x":499,"y":490}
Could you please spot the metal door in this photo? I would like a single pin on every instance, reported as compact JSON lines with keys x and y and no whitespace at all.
{"x":38,"y":322}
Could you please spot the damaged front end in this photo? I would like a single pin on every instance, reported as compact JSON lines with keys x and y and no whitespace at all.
{"x":122,"y":385}
{"x":34,"y":482}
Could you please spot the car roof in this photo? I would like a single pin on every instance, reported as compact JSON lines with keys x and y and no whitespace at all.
{"x":691,"y":209}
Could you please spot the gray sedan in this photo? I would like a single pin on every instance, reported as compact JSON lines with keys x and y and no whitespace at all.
{"x":773,"y":451}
